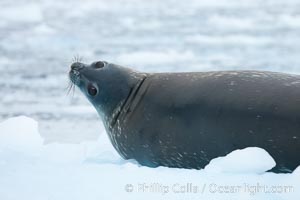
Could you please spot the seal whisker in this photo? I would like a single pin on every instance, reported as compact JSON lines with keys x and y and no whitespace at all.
{"x":77,"y":58}
{"x":70,"y":88}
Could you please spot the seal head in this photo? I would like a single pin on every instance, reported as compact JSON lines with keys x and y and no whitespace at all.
{"x":98,"y":82}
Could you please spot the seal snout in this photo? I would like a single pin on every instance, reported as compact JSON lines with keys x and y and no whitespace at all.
{"x":74,"y":73}
{"x":77,"y":66}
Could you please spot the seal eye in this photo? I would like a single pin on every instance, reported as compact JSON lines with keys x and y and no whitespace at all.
{"x":99,"y":65}
{"x":92,"y":90}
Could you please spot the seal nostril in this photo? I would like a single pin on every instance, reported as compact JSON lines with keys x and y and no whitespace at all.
{"x":76,"y":66}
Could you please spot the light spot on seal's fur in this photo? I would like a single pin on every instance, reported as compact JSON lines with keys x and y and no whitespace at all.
{"x":255,"y":75}
{"x":232,"y":83}
{"x":258,"y":116}
{"x":292,"y":83}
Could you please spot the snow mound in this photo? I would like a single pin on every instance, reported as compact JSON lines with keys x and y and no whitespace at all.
{"x":20,"y":134}
{"x":297,"y":171}
{"x":249,"y":160}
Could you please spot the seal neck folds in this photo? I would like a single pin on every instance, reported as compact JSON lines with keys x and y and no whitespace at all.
{"x":122,"y":100}
{"x":124,"y":105}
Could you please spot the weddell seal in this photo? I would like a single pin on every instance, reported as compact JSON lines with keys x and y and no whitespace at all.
{"x":185,"y":120}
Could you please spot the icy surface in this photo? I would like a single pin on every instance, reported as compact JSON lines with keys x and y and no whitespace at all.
{"x":93,"y":170}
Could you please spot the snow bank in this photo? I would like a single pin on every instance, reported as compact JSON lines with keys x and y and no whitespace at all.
{"x":20,"y":134}
{"x":93,"y":170}
{"x":239,"y":161}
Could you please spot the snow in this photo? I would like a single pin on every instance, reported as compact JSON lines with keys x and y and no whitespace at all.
{"x":20,"y":134}
{"x":24,"y":13}
{"x":32,"y":170}
{"x":238,"y":162}
{"x":155,"y":58}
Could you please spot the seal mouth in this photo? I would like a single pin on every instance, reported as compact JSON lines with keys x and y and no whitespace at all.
{"x":74,"y":76}
{"x":74,"y":73}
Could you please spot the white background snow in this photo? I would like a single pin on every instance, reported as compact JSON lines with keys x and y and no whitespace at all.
{"x":67,"y":154}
